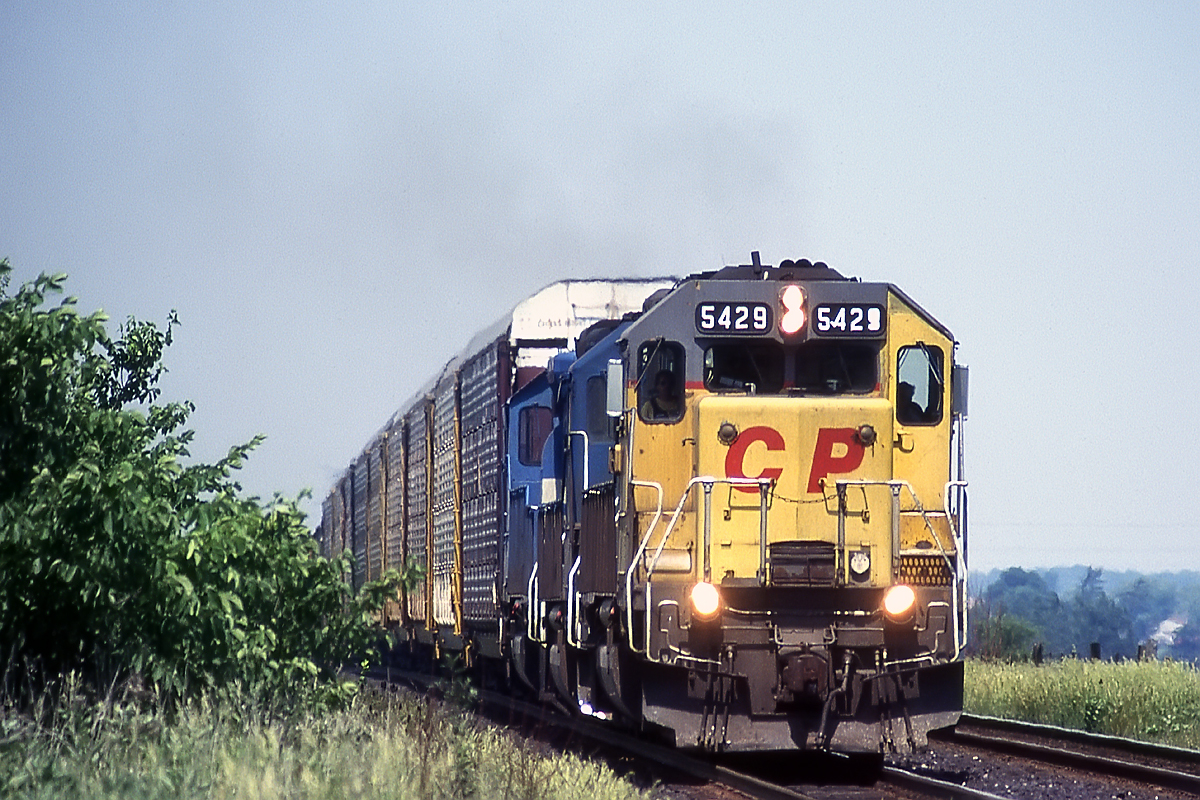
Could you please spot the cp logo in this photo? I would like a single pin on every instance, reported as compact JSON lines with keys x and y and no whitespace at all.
{"x":837,"y":451}
{"x":772,"y":438}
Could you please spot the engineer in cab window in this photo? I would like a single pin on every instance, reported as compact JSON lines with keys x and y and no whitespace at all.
{"x":919,"y":385}
{"x":664,"y":403}
{"x":907,"y":409}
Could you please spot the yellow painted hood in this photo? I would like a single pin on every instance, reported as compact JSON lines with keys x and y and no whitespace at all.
{"x":805,"y":445}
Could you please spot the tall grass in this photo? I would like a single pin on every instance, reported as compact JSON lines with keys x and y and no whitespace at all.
{"x":380,"y":747}
{"x":1154,"y":701}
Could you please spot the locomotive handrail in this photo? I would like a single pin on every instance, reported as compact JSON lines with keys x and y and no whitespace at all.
{"x":534,"y":613}
{"x":586,"y":452}
{"x":956,"y":567}
{"x":896,"y":485}
{"x":637,"y":556}
{"x":960,"y":536}
{"x":573,"y":605}
{"x":681,"y":655}
{"x":707,"y":481}
{"x":572,"y":600}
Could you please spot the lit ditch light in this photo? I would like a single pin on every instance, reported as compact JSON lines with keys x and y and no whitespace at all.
{"x":899,"y":601}
{"x":706,"y":600}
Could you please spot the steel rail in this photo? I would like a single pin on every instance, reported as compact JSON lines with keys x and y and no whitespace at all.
{"x":932,"y":787}
{"x":668,"y":757}
{"x":1131,"y":746}
{"x":1075,"y":759}
{"x":750,"y":785}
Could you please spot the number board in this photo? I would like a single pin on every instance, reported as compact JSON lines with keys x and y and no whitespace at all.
{"x":722,"y":319}
{"x":849,"y":319}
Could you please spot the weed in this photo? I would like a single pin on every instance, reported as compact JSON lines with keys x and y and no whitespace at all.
{"x":381,"y":745}
{"x":1156,"y":701}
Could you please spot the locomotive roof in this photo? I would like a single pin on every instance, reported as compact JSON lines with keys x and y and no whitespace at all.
{"x":805,"y":270}
{"x":788,"y":270}
{"x":801,"y":271}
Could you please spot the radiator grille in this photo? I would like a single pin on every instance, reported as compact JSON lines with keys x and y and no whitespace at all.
{"x":803,"y":563}
{"x":922,"y":570}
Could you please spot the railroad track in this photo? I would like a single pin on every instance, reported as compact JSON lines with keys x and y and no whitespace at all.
{"x":893,"y":782}
{"x":1053,"y":759}
{"x":1140,"y":767}
{"x":926,"y":786}
{"x":1030,"y":761}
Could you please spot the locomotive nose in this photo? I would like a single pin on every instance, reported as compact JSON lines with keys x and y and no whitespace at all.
{"x":802,"y":445}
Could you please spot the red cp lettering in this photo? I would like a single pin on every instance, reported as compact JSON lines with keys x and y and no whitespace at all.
{"x":734,"y":468}
{"x":825,"y":462}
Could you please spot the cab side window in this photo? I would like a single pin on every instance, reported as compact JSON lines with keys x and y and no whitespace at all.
{"x":920,"y":386}
{"x":533,"y":428}
{"x":598,"y":425}
{"x":660,"y":381}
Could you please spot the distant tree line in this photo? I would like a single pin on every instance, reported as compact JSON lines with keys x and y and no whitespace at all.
{"x":1019,"y":610}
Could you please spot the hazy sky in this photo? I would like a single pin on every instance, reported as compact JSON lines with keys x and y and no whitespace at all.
{"x":335,"y":199}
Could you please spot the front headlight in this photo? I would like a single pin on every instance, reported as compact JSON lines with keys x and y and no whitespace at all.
{"x":705,"y":599}
{"x":899,"y":601}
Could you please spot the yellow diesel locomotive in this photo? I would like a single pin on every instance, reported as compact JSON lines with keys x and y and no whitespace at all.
{"x":727,"y":510}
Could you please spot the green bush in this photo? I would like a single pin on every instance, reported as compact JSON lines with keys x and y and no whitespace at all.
{"x":1002,"y":637}
{"x":1155,"y":701}
{"x":119,"y":560}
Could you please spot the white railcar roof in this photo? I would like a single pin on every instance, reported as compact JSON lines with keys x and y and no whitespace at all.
{"x":548,"y":322}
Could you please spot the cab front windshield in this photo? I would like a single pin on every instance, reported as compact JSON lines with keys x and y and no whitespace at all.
{"x":810,"y":368}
